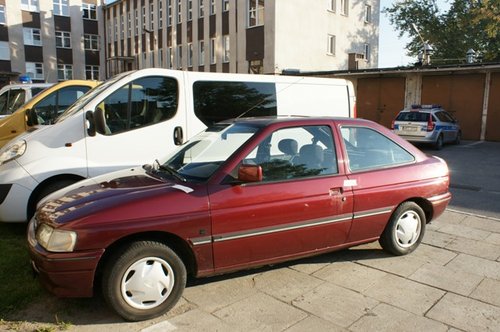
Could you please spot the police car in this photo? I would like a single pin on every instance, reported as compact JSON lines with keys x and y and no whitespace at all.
{"x":427,"y":124}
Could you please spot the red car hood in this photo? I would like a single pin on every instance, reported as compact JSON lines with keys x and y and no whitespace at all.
{"x":105,"y":192}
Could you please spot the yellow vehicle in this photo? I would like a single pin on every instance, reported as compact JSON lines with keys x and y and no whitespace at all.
{"x":44,"y":108}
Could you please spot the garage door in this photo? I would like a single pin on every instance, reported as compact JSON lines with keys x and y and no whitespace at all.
{"x":462,"y":95}
{"x":380,"y":99}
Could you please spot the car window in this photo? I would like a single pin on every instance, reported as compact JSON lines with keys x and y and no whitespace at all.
{"x":413,"y":116}
{"x":296,"y":152}
{"x":143,"y":102}
{"x":16,"y":99}
{"x":46,"y":108}
{"x":442,"y":117}
{"x":368,"y":149}
{"x":69,"y":95}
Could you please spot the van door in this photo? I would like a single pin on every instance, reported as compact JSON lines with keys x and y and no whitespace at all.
{"x":137,"y":123}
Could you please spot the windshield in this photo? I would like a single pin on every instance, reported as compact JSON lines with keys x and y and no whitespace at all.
{"x":81,"y":102}
{"x":199,"y":158}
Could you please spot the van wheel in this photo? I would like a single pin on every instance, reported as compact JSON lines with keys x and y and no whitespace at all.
{"x":46,"y":190}
{"x":405,"y":229}
{"x":143,"y":281}
{"x":438,"y":145}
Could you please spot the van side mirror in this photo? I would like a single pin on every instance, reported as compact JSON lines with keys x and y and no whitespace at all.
{"x":31,"y":117}
{"x":89,"y":116}
{"x":100,"y":120}
{"x":249,"y":173}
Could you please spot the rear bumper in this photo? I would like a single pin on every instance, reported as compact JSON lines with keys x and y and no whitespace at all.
{"x":439,"y":204}
{"x":432,"y":138}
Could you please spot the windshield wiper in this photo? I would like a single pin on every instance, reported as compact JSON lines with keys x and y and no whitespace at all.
{"x":157,"y":166}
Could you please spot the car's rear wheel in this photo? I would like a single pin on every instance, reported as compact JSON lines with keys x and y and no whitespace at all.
{"x":143,"y":281}
{"x":438,"y":145}
{"x":405,"y":229}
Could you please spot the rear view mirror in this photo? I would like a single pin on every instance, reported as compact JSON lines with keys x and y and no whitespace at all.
{"x":250,"y":173}
{"x":100,"y":120}
{"x":89,"y":116}
{"x":31,"y":117}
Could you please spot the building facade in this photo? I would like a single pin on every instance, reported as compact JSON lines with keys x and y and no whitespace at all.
{"x":243,"y":36}
{"x":51,"y":40}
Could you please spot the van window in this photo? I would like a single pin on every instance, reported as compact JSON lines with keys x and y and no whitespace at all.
{"x":216,"y":101}
{"x":141,"y":103}
{"x":11,"y":100}
{"x":35,"y":91}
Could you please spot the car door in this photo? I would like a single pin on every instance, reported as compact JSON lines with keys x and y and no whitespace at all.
{"x":140,"y":121}
{"x":299,"y":207}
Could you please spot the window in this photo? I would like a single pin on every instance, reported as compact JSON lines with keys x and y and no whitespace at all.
{"x":32,"y":37}
{"x":143,"y":18}
{"x":344,"y":7}
{"x":169,"y":12}
{"x":179,"y":11}
{"x":367,"y":52}
{"x":179,"y":57}
{"x":115,"y":25}
{"x":151,"y":16}
{"x":2,"y":14}
{"x":190,"y":54}
{"x":61,"y":7}
{"x":297,"y":152}
{"x":160,"y":58}
{"x":89,"y":11}
{"x":212,"y":51}
{"x":368,"y":13}
{"x":50,"y":107}
{"x":136,"y":20}
{"x":170,"y":62}
{"x":190,"y":10}
{"x":92,"y":73}
{"x":225,"y":5}
{"x":140,"y":103}
{"x":122,"y":27}
{"x":64,"y":72}
{"x":201,"y":9}
{"x":255,"y":13}
{"x":212,"y":7}
{"x":215,"y":101}
{"x":368,"y":149}
{"x":129,"y":24}
{"x":11,"y":100}
{"x":226,"y":45}
{"x":330,"y":45}
{"x":30,"y":5}
{"x":332,"y":5}
{"x":91,"y":42}
{"x":4,"y":51}
{"x":160,"y":15}
{"x":201,"y":52}
{"x":35,"y":70}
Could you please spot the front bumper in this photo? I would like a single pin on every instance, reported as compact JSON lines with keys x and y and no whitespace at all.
{"x":16,"y":186}
{"x":64,"y":274}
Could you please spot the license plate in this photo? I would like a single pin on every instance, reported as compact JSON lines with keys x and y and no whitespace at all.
{"x":408,"y":128}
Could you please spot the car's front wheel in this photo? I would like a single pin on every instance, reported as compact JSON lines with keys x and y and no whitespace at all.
{"x":405,"y":229}
{"x":143,"y":281}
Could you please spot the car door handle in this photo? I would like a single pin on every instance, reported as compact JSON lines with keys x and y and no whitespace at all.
{"x":335,"y":191}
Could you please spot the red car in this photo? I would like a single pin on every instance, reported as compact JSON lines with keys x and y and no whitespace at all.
{"x":243,"y":193}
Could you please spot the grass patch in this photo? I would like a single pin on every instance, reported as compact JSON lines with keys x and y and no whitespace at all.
{"x":18,"y":287}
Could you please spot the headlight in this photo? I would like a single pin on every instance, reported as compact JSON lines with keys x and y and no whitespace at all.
{"x":55,"y":240}
{"x":14,"y":151}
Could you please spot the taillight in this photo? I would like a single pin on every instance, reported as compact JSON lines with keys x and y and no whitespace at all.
{"x":430,"y":124}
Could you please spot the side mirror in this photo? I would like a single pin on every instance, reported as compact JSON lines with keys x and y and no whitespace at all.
{"x":89,"y":116}
{"x":250,"y":173}
{"x":100,"y":120}
{"x":31,"y":117}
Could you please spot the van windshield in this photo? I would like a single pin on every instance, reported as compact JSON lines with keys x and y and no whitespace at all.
{"x":81,"y":102}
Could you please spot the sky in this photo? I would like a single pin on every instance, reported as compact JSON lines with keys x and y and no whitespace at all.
{"x":392,"y":51}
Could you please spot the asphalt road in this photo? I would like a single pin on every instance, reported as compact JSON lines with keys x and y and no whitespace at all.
{"x":475,"y":176}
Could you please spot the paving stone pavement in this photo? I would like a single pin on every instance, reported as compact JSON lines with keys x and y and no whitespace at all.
{"x":451,"y":282}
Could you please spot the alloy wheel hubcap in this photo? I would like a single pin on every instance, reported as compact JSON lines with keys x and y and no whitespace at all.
{"x":408,"y":229}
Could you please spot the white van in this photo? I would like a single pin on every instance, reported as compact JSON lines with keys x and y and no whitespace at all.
{"x":12,"y":96}
{"x":137,"y":116}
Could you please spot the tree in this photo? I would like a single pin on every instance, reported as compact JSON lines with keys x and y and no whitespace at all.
{"x":468,"y":24}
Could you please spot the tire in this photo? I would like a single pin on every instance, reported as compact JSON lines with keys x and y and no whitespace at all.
{"x":405,"y":229}
{"x":458,"y":138}
{"x":438,"y":145}
{"x":162,"y":279}
{"x":48,"y":189}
